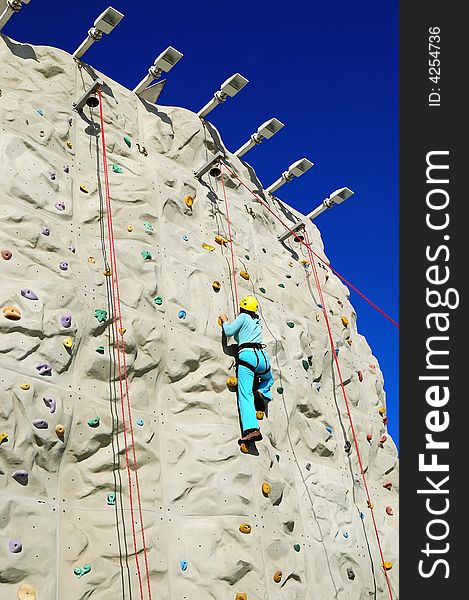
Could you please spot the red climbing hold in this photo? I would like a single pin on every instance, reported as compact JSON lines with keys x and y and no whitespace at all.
{"x":369,"y":437}
{"x":6,"y":254}
{"x":360,"y":376}
{"x":382,"y":439}
{"x":387,"y":485}
{"x":389,"y":511}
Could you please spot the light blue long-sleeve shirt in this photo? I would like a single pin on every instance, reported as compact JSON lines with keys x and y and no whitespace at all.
{"x":244,"y":329}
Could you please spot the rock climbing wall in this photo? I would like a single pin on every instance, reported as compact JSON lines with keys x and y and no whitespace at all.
{"x":104,"y":450}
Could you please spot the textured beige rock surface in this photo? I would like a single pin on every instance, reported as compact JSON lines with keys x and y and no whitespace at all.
{"x":196,"y":487}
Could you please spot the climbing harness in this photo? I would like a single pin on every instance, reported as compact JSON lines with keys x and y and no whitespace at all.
{"x":255,"y":346}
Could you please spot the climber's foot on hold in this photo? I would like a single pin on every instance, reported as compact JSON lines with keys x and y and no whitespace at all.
{"x":251,"y":435}
{"x":259,"y":401}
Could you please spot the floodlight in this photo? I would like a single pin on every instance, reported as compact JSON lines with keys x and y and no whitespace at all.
{"x":105,"y":23}
{"x":264,"y":132}
{"x":8,"y":8}
{"x":337,"y":197}
{"x":295,"y":170}
{"x":230,"y":87}
{"x":164,"y":62}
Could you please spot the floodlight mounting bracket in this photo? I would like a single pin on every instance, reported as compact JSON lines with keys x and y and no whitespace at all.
{"x":91,"y":91}
{"x":299,"y":226}
{"x":208,"y":165}
{"x":95,"y":33}
{"x":155,"y":71}
{"x":220,"y":96}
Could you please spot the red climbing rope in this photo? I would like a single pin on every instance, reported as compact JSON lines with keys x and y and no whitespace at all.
{"x":122,"y":371}
{"x":308,"y":246}
{"x":349,"y":414}
{"x":233,"y":273}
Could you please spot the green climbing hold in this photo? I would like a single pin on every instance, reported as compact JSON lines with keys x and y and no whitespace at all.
{"x":146,"y":255}
{"x":277,"y":456}
{"x":101,"y":315}
{"x":262,"y":290}
{"x":281,"y":285}
{"x":148,"y":226}
{"x":127,"y":140}
{"x":158,"y":300}
{"x":290,"y":324}
{"x":100,"y":349}
{"x":94,"y":422}
{"x":246,"y":256}
{"x":296,"y":547}
{"x":280,"y":390}
{"x":305,"y":364}
{"x":111,"y":498}
{"x":117,"y":169}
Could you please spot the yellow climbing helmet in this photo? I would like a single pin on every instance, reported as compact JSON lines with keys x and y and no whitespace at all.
{"x":249,"y":303}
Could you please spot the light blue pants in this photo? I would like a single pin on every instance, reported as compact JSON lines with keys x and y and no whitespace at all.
{"x":260,"y":361}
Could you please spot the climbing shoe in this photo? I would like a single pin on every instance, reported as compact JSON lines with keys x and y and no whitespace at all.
{"x":259,"y":401}
{"x":251,"y":435}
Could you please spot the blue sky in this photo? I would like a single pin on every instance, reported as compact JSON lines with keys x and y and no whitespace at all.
{"x":328,"y":70}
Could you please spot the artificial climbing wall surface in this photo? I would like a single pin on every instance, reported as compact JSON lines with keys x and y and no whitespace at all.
{"x":72,"y":510}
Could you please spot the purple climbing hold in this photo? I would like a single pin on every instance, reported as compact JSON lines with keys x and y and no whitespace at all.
{"x":40,"y":424}
{"x":63,"y":266}
{"x":21,"y":476}
{"x":66,"y":320}
{"x":52,"y":176}
{"x":15,"y":546}
{"x":66,"y":169}
{"x":51,"y":404}
{"x":60,"y":205}
{"x":45,"y":231}
{"x":29,"y":294}
{"x":72,"y":248}
{"x":44,"y":368}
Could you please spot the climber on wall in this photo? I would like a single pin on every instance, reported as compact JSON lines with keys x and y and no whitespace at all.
{"x":253,"y":366}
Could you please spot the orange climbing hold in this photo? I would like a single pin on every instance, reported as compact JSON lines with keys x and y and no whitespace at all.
{"x":244,"y":448}
{"x":122,"y":330}
{"x":241,"y":596}
{"x":266,"y":489}
{"x":370,"y":504}
{"x":221,"y":240}
{"x":231,"y":382}
{"x":189,"y":201}
{"x":344,"y":321}
{"x":382,"y":410}
{"x":277,"y":576}
{"x":216,"y":286}
{"x":12,"y":313}
{"x":369,"y":437}
{"x":245,"y":528}
{"x":91,"y":259}
{"x":59,"y":430}
{"x":26,"y":592}
{"x":244,"y":274}
{"x":107,"y":272}
{"x":259,"y":415}
{"x":387,"y":565}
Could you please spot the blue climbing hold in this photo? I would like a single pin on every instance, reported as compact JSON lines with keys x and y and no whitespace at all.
{"x":40,"y":112}
{"x":362,"y":516}
{"x":345,"y":534}
{"x":185,"y":237}
{"x":329,"y":428}
{"x":182,"y":314}
{"x":319,"y":305}
{"x":337,"y":352}
{"x":140,"y":422}
{"x":183,"y":565}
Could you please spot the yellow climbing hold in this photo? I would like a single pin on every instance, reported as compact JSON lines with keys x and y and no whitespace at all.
{"x":244,"y":449}
{"x":59,"y":430}
{"x":129,"y":228}
{"x":84,"y":189}
{"x":387,"y":565}
{"x":277,"y":576}
{"x":24,"y":386}
{"x":208,"y":247}
{"x":318,"y":316}
{"x":259,"y":415}
{"x":370,"y":504}
{"x":3,"y":438}
{"x":91,"y":259}
{"x":26,"y":592}
{"x":241,"y":597}
{"x":68,"y":342}
{"x":107,"y":272}
{"x":122,"y":330}
{"x":344,"y":321}
{"x":244,"y":274}
{"x":188,"y":201}
{"x":382,"y":410}
{"x":305,"y":262}
{"x":216,"y":285}
{"x":221,"y":240}
{"x":69,"y":144}
{"x":231,"y":382}
{"x":245,"y":528}
{"x":266,"y":489}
